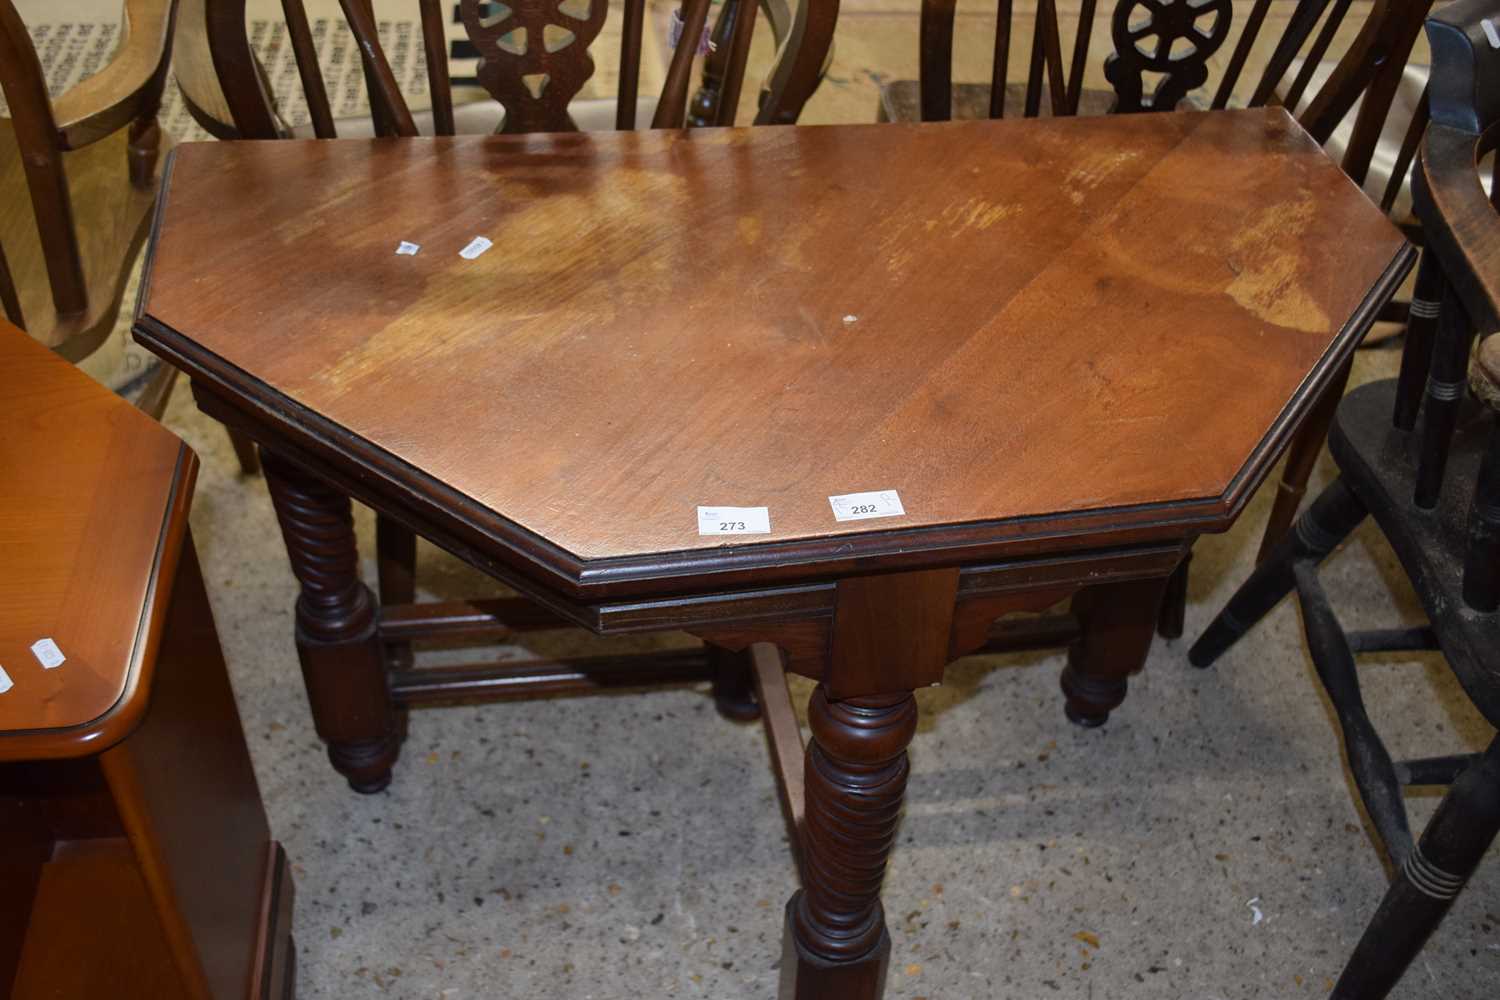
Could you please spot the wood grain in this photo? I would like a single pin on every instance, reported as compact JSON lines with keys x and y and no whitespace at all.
{"x":93,"y":508}
{"x":1035,"y":319}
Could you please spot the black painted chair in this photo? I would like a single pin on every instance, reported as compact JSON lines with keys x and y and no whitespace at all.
{"x":1425,"y":463}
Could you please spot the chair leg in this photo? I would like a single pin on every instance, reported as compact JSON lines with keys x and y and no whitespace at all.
{"x":1301,"y":456}
{"x":1170,"y":621}
{"x":396,"y":576}
{"x":1421,"y":329}
{"x":734,"y":684}
{"x":1370,"y":762}
{"x":1330,"y":519}
{"x":1451,"y":848}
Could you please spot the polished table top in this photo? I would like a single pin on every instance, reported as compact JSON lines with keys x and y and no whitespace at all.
{"x":1027,"y":329}
{"x":93,"y":510}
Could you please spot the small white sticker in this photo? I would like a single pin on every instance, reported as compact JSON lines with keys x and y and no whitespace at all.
{"x":407,"y":249}
{"x":1491,"y":33}
{"x":47,"y":653}
{"x":859,"y":506}
{"x":734,"y":521}
{"x":477,"y":246}
{"x":5,"y":682}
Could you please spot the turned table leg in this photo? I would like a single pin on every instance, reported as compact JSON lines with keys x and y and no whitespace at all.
{"x":890,"y":635}
{"x":837,"y":944}
{"x":1117,"y":621}
{"x":337,"y":641}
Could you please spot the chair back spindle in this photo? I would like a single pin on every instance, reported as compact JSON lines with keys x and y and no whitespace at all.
{"x":534,"y":60}
{"x":1045,"y":66}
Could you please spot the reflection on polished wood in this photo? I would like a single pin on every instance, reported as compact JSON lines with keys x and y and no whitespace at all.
{"x":873,"y":325}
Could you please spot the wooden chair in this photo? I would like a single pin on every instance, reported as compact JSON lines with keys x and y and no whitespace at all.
{"x":1171,"y":41}
{"x":78,"y":180}
{"x":1426,"y":464}
{"x":717,"y":98}
{"x":532,"y":73}
{"x":539,"y":45}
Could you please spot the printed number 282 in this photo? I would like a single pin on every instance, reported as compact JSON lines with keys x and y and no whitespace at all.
{"x":731,"y":525}
{"x":863,"y":508}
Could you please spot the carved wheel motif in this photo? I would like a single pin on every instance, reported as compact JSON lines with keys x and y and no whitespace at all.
{"x":1171,"y":37}
{"x":534,"y":56}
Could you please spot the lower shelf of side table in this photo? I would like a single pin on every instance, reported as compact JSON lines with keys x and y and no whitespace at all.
{"x":92,"y":930}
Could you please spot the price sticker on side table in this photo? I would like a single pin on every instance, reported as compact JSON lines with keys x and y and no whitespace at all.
{"x":734,"y":521}
{"x":860,"y":506}
{"x":47,"y":654}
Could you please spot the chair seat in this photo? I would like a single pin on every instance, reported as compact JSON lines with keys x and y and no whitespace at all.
{"x":111,"y":217}
{"x":1379,"y":463}
{"x":485,"y":116}
{"x":901,"y":101}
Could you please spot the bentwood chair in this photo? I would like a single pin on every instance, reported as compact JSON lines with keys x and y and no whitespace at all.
{"x":1426,"y":465}
{"x":78,"y":180}
{"x":535,"y":59}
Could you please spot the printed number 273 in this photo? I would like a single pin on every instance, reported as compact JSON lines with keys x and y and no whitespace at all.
{"x":731,"y":525}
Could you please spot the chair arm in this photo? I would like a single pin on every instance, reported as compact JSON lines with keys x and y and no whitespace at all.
{"x":126,"y":89}
{"x":1458,"y":219}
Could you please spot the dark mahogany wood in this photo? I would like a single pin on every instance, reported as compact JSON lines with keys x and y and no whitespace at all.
{"x":1116,"y":624}
{"x":1160,"y":55}
{"x":338,"y":643}
{"x":855,"y":780}
{"x":838,"y":333}
{"x":1275,"y":196}
{"x":1369,"y":74}
{"x":135,"y":856}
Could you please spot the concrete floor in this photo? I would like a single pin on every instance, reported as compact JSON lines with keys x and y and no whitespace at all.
{"x":1203,"y":845}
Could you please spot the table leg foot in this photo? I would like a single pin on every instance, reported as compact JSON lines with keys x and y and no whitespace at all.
{"x":1117,"y":621}
{"x":807,"y":976}
{"x":1091,"y":699}
{"x":856,"y":771}
{"x":343,"y":665}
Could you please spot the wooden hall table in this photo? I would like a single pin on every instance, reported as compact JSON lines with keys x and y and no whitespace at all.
{"x":1067,"y":346}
